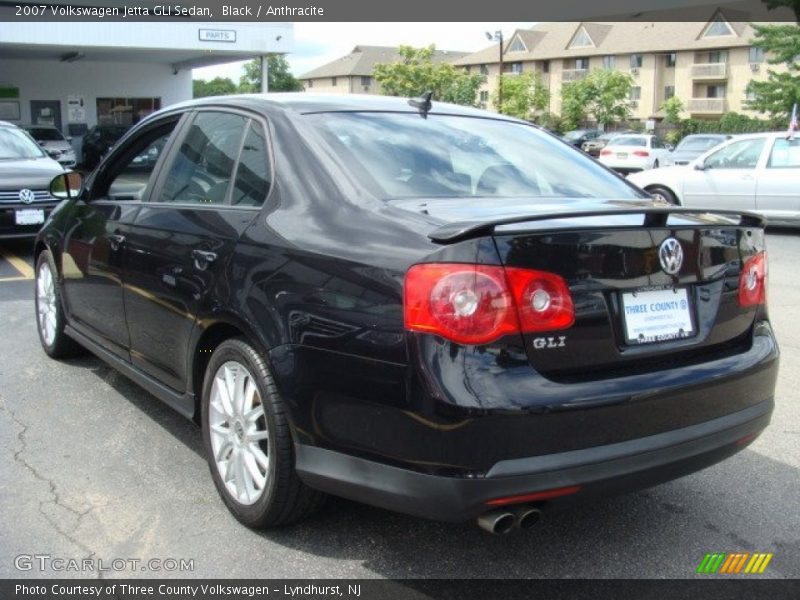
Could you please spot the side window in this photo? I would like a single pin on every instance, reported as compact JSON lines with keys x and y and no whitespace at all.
{"x":128,"y":177}
{"x":253,"y":176}
{"x":738,"y":155}
{"x":785,"y":154}
{"x":202,"y":169}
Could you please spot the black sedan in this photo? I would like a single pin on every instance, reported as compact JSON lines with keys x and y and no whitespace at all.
{"x":388,"y":300}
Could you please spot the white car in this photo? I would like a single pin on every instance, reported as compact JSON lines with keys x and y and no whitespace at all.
{"x":757,"y":172}
{"x":634,"y":152}
{"x":54,"y":143}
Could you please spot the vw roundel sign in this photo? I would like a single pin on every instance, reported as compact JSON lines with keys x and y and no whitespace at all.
{"x":670,"y":255}
{"x":26,"y":196}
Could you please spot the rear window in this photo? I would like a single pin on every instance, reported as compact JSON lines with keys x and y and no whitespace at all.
{"x":625,"y":140}
{"x":700,"y":144}
{"x":402,"y":155}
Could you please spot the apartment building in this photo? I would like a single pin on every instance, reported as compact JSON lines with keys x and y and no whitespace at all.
{"x":706,"y":64}
{"x":352,"y":73}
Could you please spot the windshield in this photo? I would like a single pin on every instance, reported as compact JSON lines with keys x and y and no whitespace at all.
{"x":406,"y":156}
{"x":15,"y":143}
{"x":629,"y":140}
{"x":46,"y":134}
{"x":699,"y":144}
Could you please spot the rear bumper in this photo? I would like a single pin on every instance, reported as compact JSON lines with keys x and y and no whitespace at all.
{"x":601,"y":470}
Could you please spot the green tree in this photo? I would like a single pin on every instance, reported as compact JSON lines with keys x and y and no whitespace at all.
{"x":417,"y":73}
{"x":219,"y":86}
{"x":672,"y":107}
{"x":603,"y":94}
{"x":279,"y":78}
{"x":781,"y":90}
{"x":523,"y":95}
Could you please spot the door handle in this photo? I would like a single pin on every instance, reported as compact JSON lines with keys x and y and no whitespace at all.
{"x":115,"y":241}
{"x":203,"y":258}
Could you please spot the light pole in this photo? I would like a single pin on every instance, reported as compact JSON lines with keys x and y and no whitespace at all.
{"x":497,"y":36}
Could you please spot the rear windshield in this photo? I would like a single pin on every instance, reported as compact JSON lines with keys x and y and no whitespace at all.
{"x":402,"y":155}
{"x":626,"y":140}
{"x":46,"y":134}
{"x":699,"y":143}
{"x":16,"y":144}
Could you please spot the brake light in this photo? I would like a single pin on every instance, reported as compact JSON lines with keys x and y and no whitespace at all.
{"x":605,"y":152}
{"x":642,"y":153}
{"x":753,"y":281}
{"x":477,"y":304}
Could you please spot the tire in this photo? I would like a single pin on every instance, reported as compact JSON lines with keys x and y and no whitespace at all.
{"x":663,"y":193}
{"x":280,"y":498}
{"x":50,"y":317}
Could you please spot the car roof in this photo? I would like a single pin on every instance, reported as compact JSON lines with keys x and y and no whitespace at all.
{"x":305,"y":102}
{"x":7,"y":124}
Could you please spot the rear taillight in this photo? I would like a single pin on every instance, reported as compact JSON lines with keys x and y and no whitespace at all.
{"x":642,"y":153}
{"x":476,"y":304}
{"x":753,"y":281}
{"x":605,"y":152}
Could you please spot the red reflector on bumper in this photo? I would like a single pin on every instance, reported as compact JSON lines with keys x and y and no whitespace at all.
{"x":533,"y":497}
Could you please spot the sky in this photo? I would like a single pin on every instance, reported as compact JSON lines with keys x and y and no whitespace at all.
{"x":318,"y":43}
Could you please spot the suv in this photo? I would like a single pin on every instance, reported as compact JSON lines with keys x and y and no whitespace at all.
{"x":25,"y":174}
{"x":388,"y":300}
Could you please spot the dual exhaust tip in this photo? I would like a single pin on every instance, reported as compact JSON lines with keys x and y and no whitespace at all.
{"x":502,"y":521}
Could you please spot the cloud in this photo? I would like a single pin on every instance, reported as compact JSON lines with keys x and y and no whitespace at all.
{"x":318,"y":43}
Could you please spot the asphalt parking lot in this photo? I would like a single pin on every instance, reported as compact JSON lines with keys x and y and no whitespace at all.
{"x":93,"y":466}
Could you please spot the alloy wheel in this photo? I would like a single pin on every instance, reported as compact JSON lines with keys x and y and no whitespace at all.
{"x":46,"y":303}
{"x":239,"y":434}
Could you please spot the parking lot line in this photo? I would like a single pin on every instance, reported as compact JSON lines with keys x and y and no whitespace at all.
{"x":22,"y":267}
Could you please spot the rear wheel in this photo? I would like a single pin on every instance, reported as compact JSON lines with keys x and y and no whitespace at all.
{"x":50,"y":318}
{"x":248,"y":444}
{"x":663,"y":194}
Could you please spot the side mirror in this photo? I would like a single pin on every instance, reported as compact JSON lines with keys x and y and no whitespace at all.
{"x":69,"y":139}
{"x":699,"y":166}
{"x":669,"y":147}
{"x":66,"y":185}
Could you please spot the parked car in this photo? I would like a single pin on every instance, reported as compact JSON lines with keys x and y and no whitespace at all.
{"x":579,"y":136}
{"x":98,"y":141}
{"x":693,"y":146}
{"x":757,"y":172}
{"x":636,"y":152}
{"x":55,"y":144}
{"x":593,"y":147}
{"x":388,"y":300}
{"x":25,"y":174}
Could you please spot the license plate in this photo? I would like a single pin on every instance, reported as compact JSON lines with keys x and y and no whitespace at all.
{"x":657,"y":316}
{"x":29,"y":216}
{"x":622,"y":155}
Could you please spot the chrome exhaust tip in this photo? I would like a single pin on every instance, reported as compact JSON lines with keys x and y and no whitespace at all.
{"x":497,"y":522}
{"x":526,"y":517}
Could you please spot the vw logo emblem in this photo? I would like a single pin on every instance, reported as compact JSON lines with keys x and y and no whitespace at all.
{"x":26,"y":196}
{"x":670,"y":255}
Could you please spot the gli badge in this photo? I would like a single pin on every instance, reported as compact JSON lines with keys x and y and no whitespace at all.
{"x":670,"y":255}
{"x":542,"y":343}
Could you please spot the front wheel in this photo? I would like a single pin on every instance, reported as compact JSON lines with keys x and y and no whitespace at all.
{"x":248,"y":443}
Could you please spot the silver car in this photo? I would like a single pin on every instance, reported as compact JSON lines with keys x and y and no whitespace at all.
{"x":53,"y":141}
{"x":758,"y":172}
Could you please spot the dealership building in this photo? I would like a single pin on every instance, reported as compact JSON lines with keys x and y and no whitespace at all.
{"x":77,"y":75}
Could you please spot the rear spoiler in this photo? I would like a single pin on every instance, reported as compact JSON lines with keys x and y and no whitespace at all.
{"x":651,"y":217}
